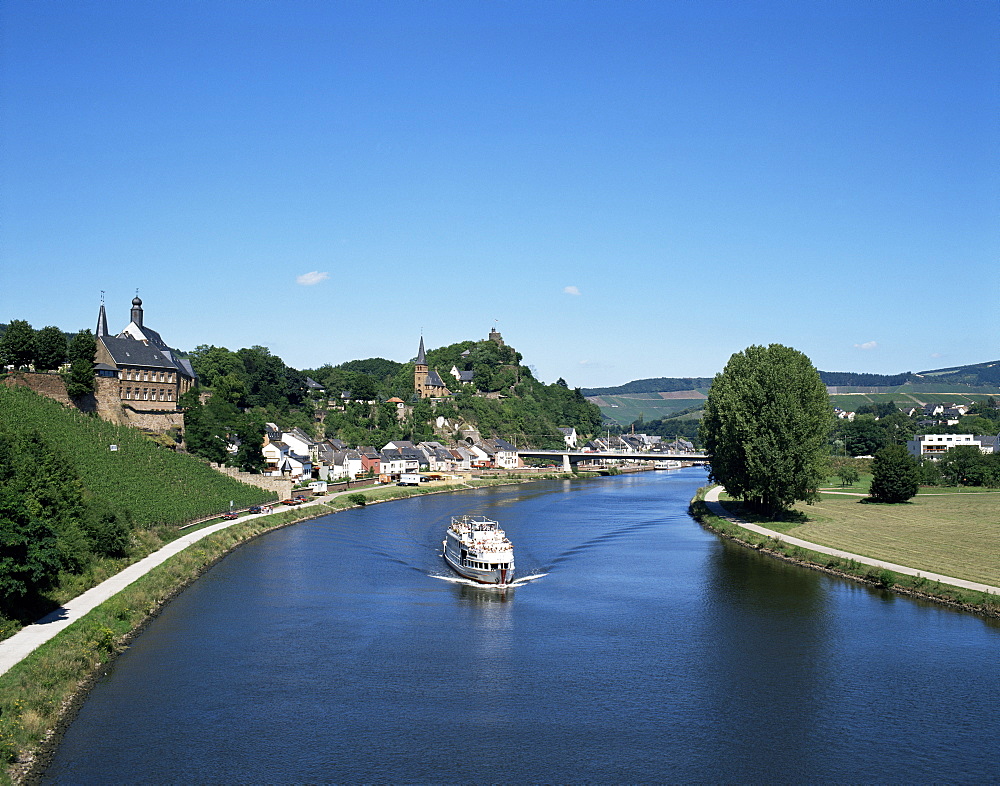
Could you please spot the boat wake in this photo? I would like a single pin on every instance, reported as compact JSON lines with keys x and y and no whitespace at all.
{"x":470,"y":583}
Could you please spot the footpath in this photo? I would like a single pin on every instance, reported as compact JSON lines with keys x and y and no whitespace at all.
{"x":14,"y":649}
{"x":712,"y":501}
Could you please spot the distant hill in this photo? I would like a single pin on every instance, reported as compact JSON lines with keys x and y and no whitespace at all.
{"x":655,"y":385}
{"x":661,"y":398}
{"x":978,"y":374}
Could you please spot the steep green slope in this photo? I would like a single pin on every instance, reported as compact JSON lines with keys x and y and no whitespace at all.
{"x":151,"y":484}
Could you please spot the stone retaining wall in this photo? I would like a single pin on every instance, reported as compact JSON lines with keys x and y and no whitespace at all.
{"x":49,"y":385}
{"x":280,"y":486}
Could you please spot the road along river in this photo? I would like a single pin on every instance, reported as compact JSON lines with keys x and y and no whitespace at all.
{"x":641,"y":648}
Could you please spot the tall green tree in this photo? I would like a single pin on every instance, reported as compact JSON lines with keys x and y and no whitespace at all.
{"x":82,"y":351}
{"x":895,"y":475}
{"x":250,"y":454}
{"x":50,"y":348}
{"x":17,"y":344}
{"x":767,"y":419}
{"x":964,"y":465}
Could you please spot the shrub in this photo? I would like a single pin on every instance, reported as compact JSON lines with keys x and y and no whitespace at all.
{"x":358,"y":499}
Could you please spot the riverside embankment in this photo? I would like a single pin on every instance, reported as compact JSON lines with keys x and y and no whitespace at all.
{"x":923,"y":581}
{"x":46,"y":668}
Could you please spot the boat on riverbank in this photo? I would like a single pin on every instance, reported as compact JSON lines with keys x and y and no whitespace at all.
{"x":475,"y":547}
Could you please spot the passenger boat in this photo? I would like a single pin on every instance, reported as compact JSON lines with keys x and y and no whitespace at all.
{"x":476,"y":547}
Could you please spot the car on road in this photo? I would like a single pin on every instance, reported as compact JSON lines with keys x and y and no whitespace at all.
{"x":292,"y":501}
{"x":230,"y":516}
{"x":254,"y":509}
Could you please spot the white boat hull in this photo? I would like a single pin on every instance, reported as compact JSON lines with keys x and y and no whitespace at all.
{"x":479,"y":554}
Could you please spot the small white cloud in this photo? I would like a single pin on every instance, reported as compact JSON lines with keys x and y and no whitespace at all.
{"x":571,"y":290}
{"x":310,"y":279}
{"x":867,"y":345}
{"x":936,"y":355}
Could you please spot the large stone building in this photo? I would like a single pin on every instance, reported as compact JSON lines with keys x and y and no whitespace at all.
{"x":150,"y":376}
{"x":427,"y":383}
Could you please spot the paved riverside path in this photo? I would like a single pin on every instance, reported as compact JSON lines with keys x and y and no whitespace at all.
{"x":712,"y":501}
{"x":29,"y":638}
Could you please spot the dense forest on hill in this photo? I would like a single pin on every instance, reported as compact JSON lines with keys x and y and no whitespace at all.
{"x":252,"y":386}
{"x":517,"y":406}
{"x":70,"y":503}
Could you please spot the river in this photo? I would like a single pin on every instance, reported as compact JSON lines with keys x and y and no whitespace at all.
{"x":641,"y":649}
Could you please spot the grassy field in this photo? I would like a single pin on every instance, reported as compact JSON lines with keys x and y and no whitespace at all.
{"x":948,"y":531}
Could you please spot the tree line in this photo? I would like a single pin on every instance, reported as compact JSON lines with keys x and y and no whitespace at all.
{"x":50,"y":349}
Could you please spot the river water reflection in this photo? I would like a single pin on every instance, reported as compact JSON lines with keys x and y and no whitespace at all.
{"x":342,"y":650}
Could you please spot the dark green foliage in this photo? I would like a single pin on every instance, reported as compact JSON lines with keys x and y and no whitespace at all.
{"x":863,"y":436}
{"x":930,"y":473}
{"x":848,"y":475}
{"x":766,"y":423}
{"x":879,"y":409}
{"x":358,"y":499}
{"x":250,"y":377}
{"x":895,"y":475}
{"x":17,"y":344}
{"x":966,"y":465}
{"x":82,"y":351}
{"x":50,"y":348}
{"x":250,"y":432}
{"x":29,"y":539}
{"x":48,"y":520}
{"x":207,"y":426}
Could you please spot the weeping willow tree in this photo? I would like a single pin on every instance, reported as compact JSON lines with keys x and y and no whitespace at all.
{"x":766,"y":424}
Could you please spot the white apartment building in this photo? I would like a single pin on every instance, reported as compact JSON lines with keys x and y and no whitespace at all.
{"x":936,"y":445}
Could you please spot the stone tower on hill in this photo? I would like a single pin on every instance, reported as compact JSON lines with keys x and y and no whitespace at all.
{"x":427,"y":383}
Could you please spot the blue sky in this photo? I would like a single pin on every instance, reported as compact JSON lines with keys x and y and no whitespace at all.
{"x":625,"y":189}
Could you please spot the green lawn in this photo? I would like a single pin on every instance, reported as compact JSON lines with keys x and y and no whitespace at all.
{"x":955,"y":533}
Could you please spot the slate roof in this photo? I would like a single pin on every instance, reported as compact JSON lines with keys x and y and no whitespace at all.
{"x":130,"y":352}
{"x":434,"y":379}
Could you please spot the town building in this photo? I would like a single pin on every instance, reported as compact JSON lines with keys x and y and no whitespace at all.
{"x":936,"y":445}
{"x":427,"y":383}
{"x":137,"y":369}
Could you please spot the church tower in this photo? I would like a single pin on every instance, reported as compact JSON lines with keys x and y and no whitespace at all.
{"x":137,"y":312}
{"x":420,"y":372}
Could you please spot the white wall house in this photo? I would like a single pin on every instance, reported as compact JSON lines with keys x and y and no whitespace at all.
{"x":936,"y":445}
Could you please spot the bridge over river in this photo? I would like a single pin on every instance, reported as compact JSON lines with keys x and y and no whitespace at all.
{"x":571,"y":457}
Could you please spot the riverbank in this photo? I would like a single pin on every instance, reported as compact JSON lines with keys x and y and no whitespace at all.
{"x":922,"y":584}
{"x":40,"y":694}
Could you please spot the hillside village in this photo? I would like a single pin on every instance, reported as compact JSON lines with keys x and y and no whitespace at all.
{"x":226,"y":406}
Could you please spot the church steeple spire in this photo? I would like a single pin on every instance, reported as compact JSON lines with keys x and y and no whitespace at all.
{"x":421,"y":356}
{"x":102,"y":319}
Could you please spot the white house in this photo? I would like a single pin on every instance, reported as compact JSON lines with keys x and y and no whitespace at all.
{"x":936,"y":445}
{"x":569,"y":436}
